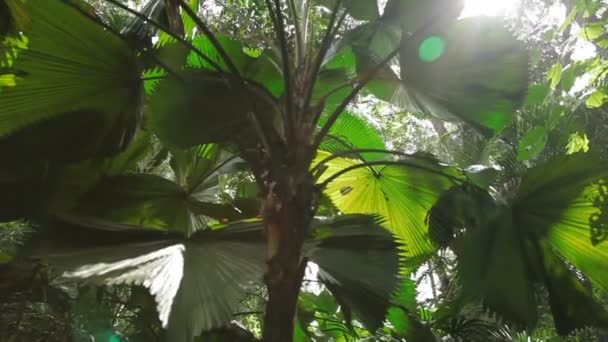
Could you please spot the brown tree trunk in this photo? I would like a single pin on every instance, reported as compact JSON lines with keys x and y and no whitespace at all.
{"x":287,"y":216}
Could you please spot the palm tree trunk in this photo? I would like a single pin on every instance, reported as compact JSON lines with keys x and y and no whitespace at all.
{"x":287,"y":215}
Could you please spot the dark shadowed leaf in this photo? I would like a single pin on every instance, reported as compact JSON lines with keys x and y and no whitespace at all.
{"x":139,"y":200}
{"x":571,"y":302}
{"x":555,"y":222}
{"x":13,"y":17}
{"x":357,"y":239}
{"x":494,"y":266}
{"x":202,"y":107}
{"x":565,"y":202}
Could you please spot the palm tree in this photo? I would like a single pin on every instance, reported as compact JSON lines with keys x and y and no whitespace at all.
{"x":89,"y":107}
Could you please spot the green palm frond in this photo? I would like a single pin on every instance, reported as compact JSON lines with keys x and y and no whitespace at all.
{"x":366,"y":290}
{"x":222,"y":109}
{"x":352,"y":132}
{"x":556,"y":219}
{"x":197,"y":283}
{"x":83,"y":82}
{"x":477,"y":51}
{"x":401,"y":192}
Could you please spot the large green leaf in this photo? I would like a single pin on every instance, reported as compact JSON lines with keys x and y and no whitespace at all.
{"x":139,"y":200}
{"x":400,"y":192}
{"x":146,"y":200}
{"x":352,"y":132}
{"x":565,"y":201}
{"x":556,"y":220}
{"x":494,"y":266}
{"x":76,"y":92}
{"x":532,"y":143}
{"x":260,"y":67}
{"x":362,"y":49}
{"x":201,"y":107}
{"x":473,"y":69}
{"x":562,"y":283}
{"x":197,"y":283}
{"x":357,"y":240}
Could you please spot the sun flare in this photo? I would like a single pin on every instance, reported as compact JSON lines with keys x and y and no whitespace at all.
{"x":488,"y":7}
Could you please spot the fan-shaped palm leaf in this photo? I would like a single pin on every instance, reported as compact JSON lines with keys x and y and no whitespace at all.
{"x":557,"y":216}
{"x":352,"y":132}
{"x":401,"y":192}
{"x":197,"y":283}
{"x":87,"y":79}
{"x":201,"y":107}
{"x":473,"y":69}
{"x":359,"y":239}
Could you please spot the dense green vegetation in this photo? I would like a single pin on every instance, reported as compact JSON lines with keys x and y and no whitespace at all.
{"x":303,"y":170}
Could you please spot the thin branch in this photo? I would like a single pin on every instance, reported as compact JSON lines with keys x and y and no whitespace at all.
{"x":212,"y":38}
{"x":362,"y":83}
{"x":167,"y":31}
{"x":325,"y":44}
{"x":385,"y":163}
